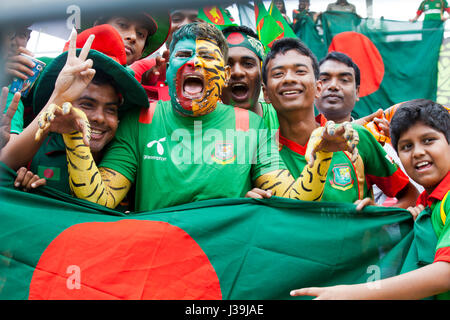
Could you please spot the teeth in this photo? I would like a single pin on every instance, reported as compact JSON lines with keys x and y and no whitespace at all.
{"x":290,"y":92}
{"x":96,"y":131}
{"x":422,"y":164}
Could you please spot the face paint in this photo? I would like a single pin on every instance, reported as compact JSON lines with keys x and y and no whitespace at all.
{"x":196,"y":76}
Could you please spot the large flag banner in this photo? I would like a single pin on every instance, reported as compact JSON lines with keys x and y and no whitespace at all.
{"x":398,"y":60}
{"x":53,"y":246}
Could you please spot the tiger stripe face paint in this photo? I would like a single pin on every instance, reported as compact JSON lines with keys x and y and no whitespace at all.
{"x":196,"y":75}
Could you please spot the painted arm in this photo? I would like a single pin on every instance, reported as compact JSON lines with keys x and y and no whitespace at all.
{"x":310,"y":184}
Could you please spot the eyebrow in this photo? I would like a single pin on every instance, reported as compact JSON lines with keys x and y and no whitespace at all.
{"x":283,"y":66}
{"x":95,"y":100}
{"x":339,"y":74}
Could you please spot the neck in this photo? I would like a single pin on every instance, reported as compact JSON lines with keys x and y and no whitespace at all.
{"x":297,"y":125}
{"x":97,"y":157}
{"x":347,"y":118}
{"x":257,"y":108}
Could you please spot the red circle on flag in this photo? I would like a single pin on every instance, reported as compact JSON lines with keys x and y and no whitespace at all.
{"x":235,"y":38}
{"x":127,"y":259}
{"x":48,"y":173}
{"x":365,"y":54}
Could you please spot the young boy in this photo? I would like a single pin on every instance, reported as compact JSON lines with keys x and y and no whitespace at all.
{"x":420,"y":132}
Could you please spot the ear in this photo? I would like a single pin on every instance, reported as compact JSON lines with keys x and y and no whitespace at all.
{"x":266,"y":96}
{"x":357,"y":93}
{"x":227,"y":74}
{"x":318,"y":89}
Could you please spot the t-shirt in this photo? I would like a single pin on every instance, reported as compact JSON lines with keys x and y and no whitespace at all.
{"x":433,"y":9}
{"x":439,"y":203}
{"x":348,"y":181}
{"x":175,"y":160}
{"x":270,"y":116}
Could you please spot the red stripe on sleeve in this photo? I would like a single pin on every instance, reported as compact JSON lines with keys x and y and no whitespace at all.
{"x":442,"y":254}
{"x":389,"y":185}
{"x":242,"y":119}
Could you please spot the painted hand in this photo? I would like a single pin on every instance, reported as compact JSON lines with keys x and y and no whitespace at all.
{"x":332,"y":138}
{"x":62,"y":120}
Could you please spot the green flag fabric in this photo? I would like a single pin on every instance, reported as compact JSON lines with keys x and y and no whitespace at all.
{"x":276,"y":14}
{"x":217,"y":16}
{"x":398,"y":60}
{"x":267,"y":28}
{"x":53,"y":246}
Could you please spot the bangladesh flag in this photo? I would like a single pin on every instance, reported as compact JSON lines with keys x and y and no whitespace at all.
{"x":398,"y":60}
{"x":267,"y":28}
{"x":276,"y":14}
{"x":217,"y":16}
{"x":56,"y":247}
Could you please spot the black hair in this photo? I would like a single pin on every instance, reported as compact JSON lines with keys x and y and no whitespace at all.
{"x":283,"y":10}
{"x":201,"y":30}
{"x":282,"y":46}
{"x":428,"y":112}
{"x":345,"y":59}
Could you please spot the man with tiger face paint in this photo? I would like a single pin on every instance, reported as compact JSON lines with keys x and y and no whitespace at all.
{"x":175,"y":152}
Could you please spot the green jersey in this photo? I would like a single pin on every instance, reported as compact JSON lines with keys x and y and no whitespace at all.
{"x":270,"y":116}
{"x":348,"y":181}
{"x":175,"y":159}
{"x":433,"y":9}
{"x":17,"y":120}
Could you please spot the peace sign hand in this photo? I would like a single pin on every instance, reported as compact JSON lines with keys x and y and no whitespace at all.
{"x":76,"y":74}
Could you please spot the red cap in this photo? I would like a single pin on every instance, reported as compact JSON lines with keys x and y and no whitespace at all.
{"x":107,"y":40}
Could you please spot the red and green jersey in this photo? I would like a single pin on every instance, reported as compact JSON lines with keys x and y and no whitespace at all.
{"x":433,"y":9}
{"x":175,"y":159}
{"x":347,"y":181}
{"x":439,"y":203}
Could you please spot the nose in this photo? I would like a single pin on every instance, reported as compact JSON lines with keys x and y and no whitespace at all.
{"x":130,"y":35}
{"x":97,"y":116}
{"x":333,"y":84}
{"x":237,"y":71}
{"x":418,"y":150}
{"x":290,"y":77}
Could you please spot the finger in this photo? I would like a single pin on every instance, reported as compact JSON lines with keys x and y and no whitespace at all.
{"x":39,"y":183}
{"x":87,"y":46}
{"x":3,"y":99}
{"x":25,"y":51}
{"x":17,"y":74}
{"x":26,"y":179}
{"x":13,"y":106}
{"x":20,"y":67}
{"x":20,"y":175}
{"x":305,"y":292}
{"x":253,"y":195}
{"x":72,"y":45}
{"x":80,"y":67}
{"x":89,"y":74}
{"x":20,"y":59}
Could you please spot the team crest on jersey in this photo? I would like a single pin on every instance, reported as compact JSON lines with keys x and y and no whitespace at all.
{"x":342,"y":178}
{"x":223,"y":153}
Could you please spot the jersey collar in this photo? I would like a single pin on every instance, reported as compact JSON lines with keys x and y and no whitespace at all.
{"x":438,"y":193}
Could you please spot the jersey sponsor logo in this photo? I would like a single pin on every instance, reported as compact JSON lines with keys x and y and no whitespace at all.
{"x":159,"y":149}
{"x":342,"y":178}
{"x":224,"y":153}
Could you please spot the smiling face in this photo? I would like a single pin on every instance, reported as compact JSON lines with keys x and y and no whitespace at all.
{"x":100,"y":103}
{"x":134,"y":35}
{"x":425,"y":155}
{"x":291,"y":84}
{"x":196,"y":76}
{"x":245,"y":81}
{"x":339,"y":91}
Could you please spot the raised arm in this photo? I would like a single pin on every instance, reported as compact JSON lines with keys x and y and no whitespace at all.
{"x":310,"y":184}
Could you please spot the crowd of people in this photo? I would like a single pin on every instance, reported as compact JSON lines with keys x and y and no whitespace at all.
{"x":112,"y":124}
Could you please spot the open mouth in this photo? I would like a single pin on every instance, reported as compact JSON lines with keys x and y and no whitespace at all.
{"x":423,"y":165}
{"x":97,"y":134}
{"x":193,"y":87}
{"x":239,"y":91}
